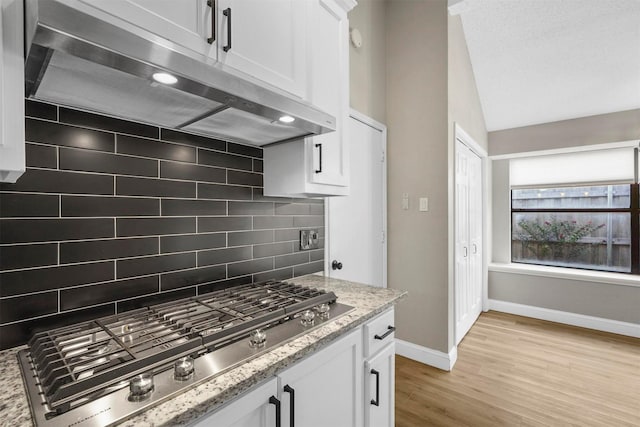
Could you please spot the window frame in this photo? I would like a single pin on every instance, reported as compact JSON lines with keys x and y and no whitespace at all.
{"x":633,"y":210}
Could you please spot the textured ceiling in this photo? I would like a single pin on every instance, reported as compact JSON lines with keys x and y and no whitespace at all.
{"x":538,"y":61}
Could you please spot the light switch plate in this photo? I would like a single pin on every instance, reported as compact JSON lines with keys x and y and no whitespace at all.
{"x":308,"y":239}
{"x":424,"y":204}
{"x":405,"y":201}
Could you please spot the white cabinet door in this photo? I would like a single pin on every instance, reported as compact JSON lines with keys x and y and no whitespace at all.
{"x":319,"y":166}
{"x":329,"y":91}
{"x":188,"y":23}
{"x":12,"y":157}
{"x":257,"y":408}
{"x":326,"y":388}
{"x":380,"y":388}
{"x":266,"y":39}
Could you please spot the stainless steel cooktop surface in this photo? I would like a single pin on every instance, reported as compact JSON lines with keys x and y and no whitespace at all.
{"x":101,"y":372}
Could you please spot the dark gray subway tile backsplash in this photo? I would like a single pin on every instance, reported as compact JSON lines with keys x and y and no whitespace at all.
{"x":112,"y":215}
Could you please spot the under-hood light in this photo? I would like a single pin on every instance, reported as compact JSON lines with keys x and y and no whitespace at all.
{"x":165,"y":78}
{"x":286,"y":119}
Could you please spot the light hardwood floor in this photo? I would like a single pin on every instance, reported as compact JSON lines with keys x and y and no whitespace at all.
{"x":516,"y":371}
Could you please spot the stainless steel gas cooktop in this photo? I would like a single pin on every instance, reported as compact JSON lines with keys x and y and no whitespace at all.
{"x":101,"y":372}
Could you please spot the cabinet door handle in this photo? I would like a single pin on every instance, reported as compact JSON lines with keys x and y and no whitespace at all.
{"x":319,"y":147}
{"x":227,"y":13}
{"x":292,"y":404}
{"x":376,"y":401}
{"x":390,"y":330}
{"x":475,"y":248}
{"x":274,"y":401}
{"x":466,"y":251}
{"x":212,"y":5}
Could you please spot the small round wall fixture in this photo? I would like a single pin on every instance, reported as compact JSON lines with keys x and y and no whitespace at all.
{"x":165,"y":78}
{"x":356,"y":38}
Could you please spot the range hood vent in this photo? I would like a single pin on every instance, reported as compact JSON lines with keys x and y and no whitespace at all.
{"x":78,"y":60}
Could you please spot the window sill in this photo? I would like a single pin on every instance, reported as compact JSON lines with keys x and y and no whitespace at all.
{"x":567,"y":273}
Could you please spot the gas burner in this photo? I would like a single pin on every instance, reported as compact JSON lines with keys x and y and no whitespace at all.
{"x":76,"y":371}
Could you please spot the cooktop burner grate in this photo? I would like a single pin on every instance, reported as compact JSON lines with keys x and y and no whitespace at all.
{"x":76,"y":361}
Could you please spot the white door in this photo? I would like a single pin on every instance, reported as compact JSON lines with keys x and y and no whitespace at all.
{"x":266,"y":40}
{"x":329,"y":91}
{"x":468,"y":238}
{"x":356,"y":223}
{"x":325,"y":389}
{"x":379,"y":393}
{"x":257,"y":408}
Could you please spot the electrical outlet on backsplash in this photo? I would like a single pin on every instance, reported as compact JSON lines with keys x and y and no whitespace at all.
{"x":114,"y":214}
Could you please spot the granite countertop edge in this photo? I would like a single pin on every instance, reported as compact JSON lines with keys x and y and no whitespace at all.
{"x":211,"y":395}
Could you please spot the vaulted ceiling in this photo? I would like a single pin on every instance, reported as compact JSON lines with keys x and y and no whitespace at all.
{"x":538,"y":61}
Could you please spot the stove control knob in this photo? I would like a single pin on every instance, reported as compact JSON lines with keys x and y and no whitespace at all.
{"x":140,"y":387}
{"x":257,"y":338}
{"x":323,"y":310}
{"x":183,"y":368}
{"x":307,"y":317}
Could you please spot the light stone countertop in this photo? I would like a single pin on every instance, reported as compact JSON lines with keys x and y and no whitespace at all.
{"x":188,"y":406}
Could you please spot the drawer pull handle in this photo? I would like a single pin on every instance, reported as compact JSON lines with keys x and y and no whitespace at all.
{"x":274,"y":401}
{"x":292,"y":406}
{"x":212,"y":5}
{"x":390,"y":330}
{"x":319,"y":170}
{"x":227,"y":13}
{"x":376,"y":401}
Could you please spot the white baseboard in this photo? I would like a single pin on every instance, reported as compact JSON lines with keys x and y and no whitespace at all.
{"x":574,"y":319}
{"x":426,"y":355}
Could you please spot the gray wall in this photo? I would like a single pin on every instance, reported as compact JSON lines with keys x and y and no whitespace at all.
{"x":418,"y":81}
{"x":605,"y":300}
{"x":465,"y":111}
{"x":600,"y":299}
{"x":500,"y":210}
{"x":464,"y":102}
{"x":417,"y":120}
{"x":368,"y":63}
{"x":601,"y":129}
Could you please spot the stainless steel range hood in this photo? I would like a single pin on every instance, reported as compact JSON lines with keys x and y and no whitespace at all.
{"x":78,"y":60}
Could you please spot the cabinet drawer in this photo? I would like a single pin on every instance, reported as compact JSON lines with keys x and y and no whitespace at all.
{"x":379,"y":332}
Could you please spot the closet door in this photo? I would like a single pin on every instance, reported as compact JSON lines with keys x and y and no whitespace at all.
{"x":468,"y":237}
{"x":476,"y":220}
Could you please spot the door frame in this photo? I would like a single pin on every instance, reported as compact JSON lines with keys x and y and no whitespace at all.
{"x":464,"y":138}
{"x":362,"y":118}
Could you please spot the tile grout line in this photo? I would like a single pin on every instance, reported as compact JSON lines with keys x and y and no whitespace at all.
{"x":242,"y":179}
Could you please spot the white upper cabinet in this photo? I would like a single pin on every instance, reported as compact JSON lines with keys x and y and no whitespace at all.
{"x":188,"y":23}
{"x":320,"y":166}
{"x":329,"y":90}
{"x":12,"y":157}
{"x":263,"y":39}
{"x":266,"y":39}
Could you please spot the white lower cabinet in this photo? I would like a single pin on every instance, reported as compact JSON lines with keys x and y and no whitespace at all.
{"x":379,"y":370}
{"x":344,"y":384}
{"x":379,"y":388}
{"x":256,"y":408}
{"x":325,"y":389}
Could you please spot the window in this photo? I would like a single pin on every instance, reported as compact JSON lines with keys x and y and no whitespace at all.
{"x":582,"y":227}
{"x":579,"y":210}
